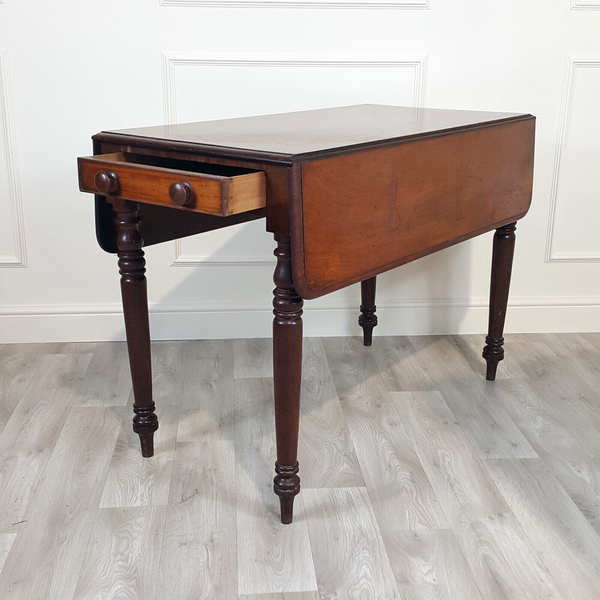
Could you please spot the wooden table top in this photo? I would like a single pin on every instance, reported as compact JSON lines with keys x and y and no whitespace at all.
{"x":360,"y":189}
{"x":318,"y":133}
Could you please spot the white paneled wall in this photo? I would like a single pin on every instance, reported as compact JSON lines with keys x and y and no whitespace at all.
{"x":12,"y":242}
{"x":70,"y":69}
{"x":573,"y":234}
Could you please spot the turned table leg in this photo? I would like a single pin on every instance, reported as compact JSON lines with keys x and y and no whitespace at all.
{"x":137,"y":329}
{"x":502,"y":258}
{"x":287,"y":376}
{"x":367,"y":319}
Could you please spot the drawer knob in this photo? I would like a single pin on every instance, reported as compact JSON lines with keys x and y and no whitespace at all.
{"x":181,"y":193}
{"x":106,"y":182}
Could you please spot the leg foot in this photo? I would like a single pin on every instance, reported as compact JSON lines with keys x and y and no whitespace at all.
{"x":137,"y":328}
{"x":367,"y":319}
{"x":147,"y":444}
{"x":286,"y":485}
{"x":492,"y":366}
{"x":502,"y":258}
{"x":287,"y":377}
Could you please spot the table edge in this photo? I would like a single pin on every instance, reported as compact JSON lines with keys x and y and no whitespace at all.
{"x":229,"y":152}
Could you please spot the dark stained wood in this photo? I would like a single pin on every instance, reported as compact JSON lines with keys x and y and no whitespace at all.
{"x":306,"y":135}
{"x":502,"y":259}
{"x":181,"y":193}
{"x":367,"y":319}
{"x":364,"y":213}
{"x":161,"y":224}
{"x":287,"y":377}
{"x":349,"y":193}
{"x":137,"y":329}
{"x":106,"y":182}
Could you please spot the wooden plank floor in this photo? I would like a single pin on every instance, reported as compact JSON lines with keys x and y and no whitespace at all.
{"x":421,"y":481}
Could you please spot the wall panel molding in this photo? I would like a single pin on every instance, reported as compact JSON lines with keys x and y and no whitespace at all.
{"x":554,"y":253}
{"x":344,"y":4}
{"x":585,"y":4}
{"x":10,"y":197}
{"x":171,"y":61}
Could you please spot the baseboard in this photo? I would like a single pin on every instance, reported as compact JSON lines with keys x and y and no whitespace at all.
{"x":322,"y":317}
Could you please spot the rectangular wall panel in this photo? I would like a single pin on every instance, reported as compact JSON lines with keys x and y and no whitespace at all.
{"x":12,"y":243}
{"x":265,"y":85}
{"x":585,"y":5}
{"x":575,"y":213}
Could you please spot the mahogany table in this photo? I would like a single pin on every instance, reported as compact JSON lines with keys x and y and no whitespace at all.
{"x":347,"y":192}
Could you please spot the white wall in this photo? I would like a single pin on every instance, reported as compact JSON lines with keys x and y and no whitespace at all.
{"x":69,"y":69}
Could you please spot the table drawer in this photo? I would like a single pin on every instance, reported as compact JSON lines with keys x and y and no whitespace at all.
{"x":207,"y":188}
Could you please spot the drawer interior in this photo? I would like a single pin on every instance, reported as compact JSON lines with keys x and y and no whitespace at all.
{"x":175,"y":163}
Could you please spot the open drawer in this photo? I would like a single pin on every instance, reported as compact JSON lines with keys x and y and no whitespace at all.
{"x":201,"y":187}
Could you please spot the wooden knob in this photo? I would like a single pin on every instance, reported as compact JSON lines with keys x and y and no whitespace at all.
{"x":181,"y":193}
{"x":106,"y":182}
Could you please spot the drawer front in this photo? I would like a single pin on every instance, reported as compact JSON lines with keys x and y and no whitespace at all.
{"x":220,"y":191}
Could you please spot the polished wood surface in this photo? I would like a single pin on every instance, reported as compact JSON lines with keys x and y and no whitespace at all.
{"x":348,"y":193}
{"x":287,"y":377}
{"x":315,"y":133}
{"x":367,"y":319}
{"x":502,"y":259}
{"x":208,"y":189}
{"x":137,"y":327}
{"x":363,"y":213}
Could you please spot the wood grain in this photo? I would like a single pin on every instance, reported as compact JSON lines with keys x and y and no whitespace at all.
{"x":282,"y":596}
{"x":429,"y":565}
{"x":518,"y":528}
{"x":593,"y":339}
{"x":18,"y":366}
{"x":470,"y":347}
{"x":569,"y":400}
{"x":199,"y":550}
{"x":136,"y":481}
{"x":290,"y":566}
{"x":388,"y":206}
{"x":356,"y":566}
{"x":398,"y":359}
{"x":495,"y":547}
{"x":212,"y":193}
{"x":253,"y":358}
{"x":571,"y":461}
{"x":401,"y":494}
{"x":6,"y":542}
{"x":123,"y":554}
{"x":206,"y":411}
{"x":560,"y":535}
{"x":107,"y":380}
{"x":325,"y":445}
{"x":31,"y":434}
{"x":575,"y":357}
{"x":60,"y":518}
{"x":487,"y":425}
{"x":321,"y":132}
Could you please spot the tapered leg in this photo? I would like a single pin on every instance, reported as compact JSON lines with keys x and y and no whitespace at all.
{"x":137,"y":329}
{"x":502,"y":258}
{"x":287,"y":376}
{"x":367,"y":319}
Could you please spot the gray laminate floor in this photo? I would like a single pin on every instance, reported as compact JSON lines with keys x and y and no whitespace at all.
{"x":420,"y":480}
